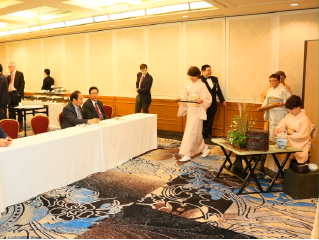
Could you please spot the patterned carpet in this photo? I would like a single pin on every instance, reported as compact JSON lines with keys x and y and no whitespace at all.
{"x":155,"y":196}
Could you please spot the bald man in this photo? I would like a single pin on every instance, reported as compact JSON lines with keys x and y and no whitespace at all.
{"x":16,"y":89}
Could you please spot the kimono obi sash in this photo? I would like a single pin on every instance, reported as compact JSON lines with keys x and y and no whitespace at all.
{"x":194,"y":97}
{"x":274,"y":101}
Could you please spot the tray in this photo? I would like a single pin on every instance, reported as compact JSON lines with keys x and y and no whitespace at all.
{"x":185,"y":101}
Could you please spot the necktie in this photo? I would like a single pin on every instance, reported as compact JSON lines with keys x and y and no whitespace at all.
{"x":98,"y":112}
{"x":79,"y":113}
{"x":11,"y":81}
{"x":141,"y":81}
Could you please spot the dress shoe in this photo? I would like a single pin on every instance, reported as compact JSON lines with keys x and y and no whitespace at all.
{"x":185,"y":159}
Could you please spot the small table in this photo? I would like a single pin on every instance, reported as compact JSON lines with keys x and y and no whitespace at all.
{"x":255,"y":156}
{"x":29,"y":109}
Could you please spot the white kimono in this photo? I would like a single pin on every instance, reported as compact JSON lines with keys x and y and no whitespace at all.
{"x":193,"y":141}
{"x":275,"y":95}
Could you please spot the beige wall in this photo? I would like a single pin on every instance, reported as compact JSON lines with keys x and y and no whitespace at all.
{"x":243,"y":52}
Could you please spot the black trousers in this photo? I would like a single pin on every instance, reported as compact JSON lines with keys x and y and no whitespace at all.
{"x":208,"y":124}
{"x":139,"y":106}
{"x":15,"y":99}
{"x":3,"y":112}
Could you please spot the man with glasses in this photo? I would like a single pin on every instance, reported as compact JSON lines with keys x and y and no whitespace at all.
{"x":93,"y":108}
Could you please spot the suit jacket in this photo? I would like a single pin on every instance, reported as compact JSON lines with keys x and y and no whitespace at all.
{"x":2,"y":133}
{"x":18,"y":82}
{"x":89,"y":111}
{"x":215,"y":90}
{"x":69,"y":116}
{"x":47,"y":83}
{"x":145,"y":90}
{"x":4,"y":94}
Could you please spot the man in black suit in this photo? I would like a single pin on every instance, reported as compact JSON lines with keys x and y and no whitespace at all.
{"x":5,"y":141}
{"x":72,"y":113}
{"x":93,"y":108}
{"x":16,"y":89}
{"x":47,"y":81}
{"x":4,"y":95}
{"x":214,"y":88}
{"x":143,"y":88}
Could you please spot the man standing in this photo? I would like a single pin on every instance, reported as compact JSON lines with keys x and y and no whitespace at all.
{"x":72,"y":113}
{"x":47,"y":81}
{"x":214,"y":88}
{"x":93,"y":108}
{"x":16,"y":89}
{"x":4,"y":95}
{"x":143,"y":88}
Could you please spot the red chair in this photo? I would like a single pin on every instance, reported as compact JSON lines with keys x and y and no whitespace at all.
{"x":39,"y":124}
{"x":11,"y":127}
{"x":108,"y":110}
{"x":60,"y":119}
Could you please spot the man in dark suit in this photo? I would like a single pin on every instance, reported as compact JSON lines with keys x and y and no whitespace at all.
{"x":143,"y":88}
{"x":214,"y":88}
{"x":5,"y":141}
{"x":16,"y":89}
{"x":47,"y":81}
{"x":72,"y":113}
{"x":93,"y":108}
{"x":4,"y":95}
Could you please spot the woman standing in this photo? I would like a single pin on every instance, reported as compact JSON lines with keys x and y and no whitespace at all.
{"x":276,"y":95}
{"x":196,"y":92}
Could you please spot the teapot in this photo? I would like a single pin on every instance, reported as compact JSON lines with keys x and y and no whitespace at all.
{"x":282,"y":138}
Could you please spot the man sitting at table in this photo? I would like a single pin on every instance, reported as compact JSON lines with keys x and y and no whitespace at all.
{"x":72,"y":113}
{"x":93,"y":108}
{"x":5,"y":141}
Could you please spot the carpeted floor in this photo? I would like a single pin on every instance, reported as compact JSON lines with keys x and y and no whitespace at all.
{"x":155,"y":196}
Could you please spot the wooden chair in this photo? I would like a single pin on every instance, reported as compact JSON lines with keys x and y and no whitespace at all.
{"x":60,"y":119}
{"x":108,"y":110}
{"x":11,"y":127}
{"x":39,"y":124}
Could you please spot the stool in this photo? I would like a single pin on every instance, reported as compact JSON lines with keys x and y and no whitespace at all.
{"x":301,"y":185}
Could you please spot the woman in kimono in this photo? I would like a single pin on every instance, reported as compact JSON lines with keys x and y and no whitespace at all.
{"x":298,"y":127}
{"x":276,"y":95}
{"x":196,"y":92}
{"x":282,"y":80}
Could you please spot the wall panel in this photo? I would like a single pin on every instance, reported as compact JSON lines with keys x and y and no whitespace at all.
{"x":165,"y":59}
{"x":101,"y":62}
{"x":33,"y":74}
{"x":75,"y":63}
{"x":3,"y":57}
{"x":52,"y":58}
{"x":129,"y":54}
{"x":16,"y":54}
{"x":250,"y":60}
{"x":294,"y":29}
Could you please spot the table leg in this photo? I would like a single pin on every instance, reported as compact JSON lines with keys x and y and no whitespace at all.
{"x":226,"y":160}
{"x":280,"y":169}
{"x":251,"y":172}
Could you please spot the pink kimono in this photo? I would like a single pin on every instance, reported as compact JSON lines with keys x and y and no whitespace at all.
{"x":193,"y":141}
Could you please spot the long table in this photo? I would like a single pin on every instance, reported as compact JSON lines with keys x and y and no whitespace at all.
{"x":40,"y":163}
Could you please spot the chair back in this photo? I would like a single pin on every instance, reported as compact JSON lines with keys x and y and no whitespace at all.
{"x":60,"y":119}
{"x":11,"y":127}
{"x":108,"y":110}
{"x":39,"y":124}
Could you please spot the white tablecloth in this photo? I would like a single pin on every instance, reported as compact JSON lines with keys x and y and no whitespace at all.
{"x":54,"y":110}
{"x":40,"y":163}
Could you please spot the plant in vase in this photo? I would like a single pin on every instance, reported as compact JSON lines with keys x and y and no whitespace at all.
{"x":240,"y":124}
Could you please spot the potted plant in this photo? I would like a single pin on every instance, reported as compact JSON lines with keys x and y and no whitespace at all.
{"x":240,"y":124}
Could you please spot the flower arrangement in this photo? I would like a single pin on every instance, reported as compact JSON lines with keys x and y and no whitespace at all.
{"x":240,"y":124}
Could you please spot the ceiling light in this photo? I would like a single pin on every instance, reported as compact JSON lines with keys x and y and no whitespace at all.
{"x":127,"y":14}
{"x":36,"y":28}
{"x":24,"y":14}
{"x":185,"y":16}
{"x":167,"y":9}
{"x":48,"y":17}
{"x":111,"y":25}
{"x":5,"y":33}
{"x":53,"y":25}
{"x":79,"y":21}
{"x":3,"y":25}
{"x":101,"y":18}
{"x":21,"y":30}
{"x":202,"y":4}
{"x":294,"y":4}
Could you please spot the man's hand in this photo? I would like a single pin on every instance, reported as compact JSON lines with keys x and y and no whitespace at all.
{"x":137,"y":90}
{"x":224,"y":104}
{"x":94,"y":120}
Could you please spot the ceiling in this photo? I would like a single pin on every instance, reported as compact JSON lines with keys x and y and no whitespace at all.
{"x":35,"y":15}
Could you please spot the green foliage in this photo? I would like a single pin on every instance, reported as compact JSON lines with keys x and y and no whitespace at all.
{"x":241,"y":123}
